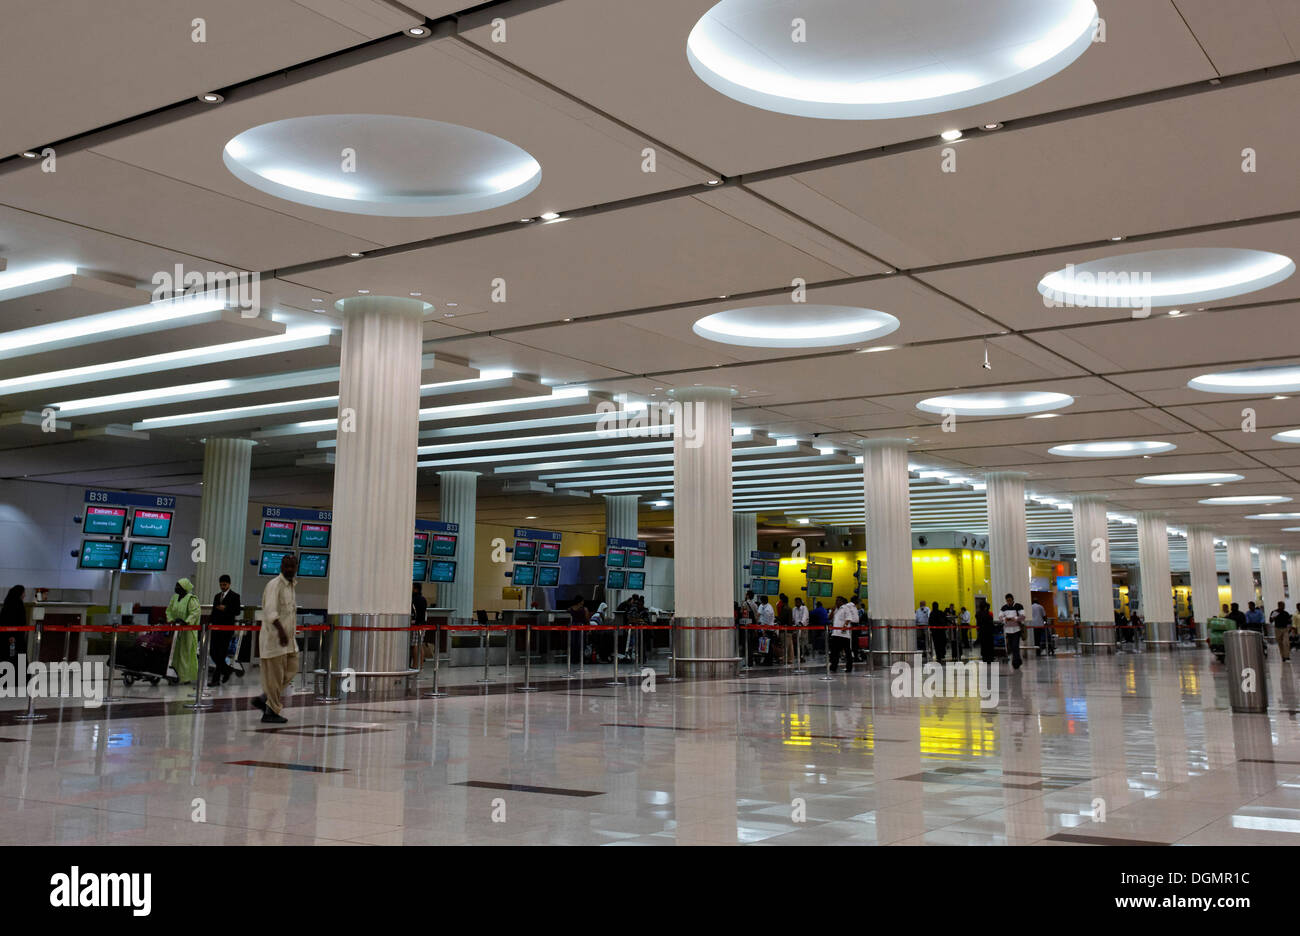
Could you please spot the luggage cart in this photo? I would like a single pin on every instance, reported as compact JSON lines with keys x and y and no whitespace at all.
{"x":147,"y":659}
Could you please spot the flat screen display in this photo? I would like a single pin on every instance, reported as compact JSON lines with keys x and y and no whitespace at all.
{"x":314,"y":536}
{"x":548,"y":552}
{"x":151,"y":523}
{"x":270,"y":561}
{"x":313,"y":565}
{"x":773,"y":568}
{"x":278,"y":533}
{"x":107,"y":520}
{"x":101,"y":554}
{"x":636,"y":580}
{"x":616,"y":578}
{"x":616,"y":557}
{"x":523,"y":575}
{"x":821,"y":573}
{"x":440,"y":570}
{"x":773,"y":586}
{"x":421,"y":544}
{"x":525,"y":551}
{"x":148,"y":557}
{"x":824,"y":589}
{"x":548,"y":576}
{"x":1067,"y":583}
{"x":419,"y":570}
{"x":636,"y":558}
{"x":442,"y":544}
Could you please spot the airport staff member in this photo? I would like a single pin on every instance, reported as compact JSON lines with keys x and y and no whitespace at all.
{"x":846,"y":615}
{"x":1012,"y":616}
{"x":225,"y":611}
{"x":279,"y":649}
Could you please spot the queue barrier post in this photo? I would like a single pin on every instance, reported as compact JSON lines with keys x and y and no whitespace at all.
{"x":435,"y":692}
{"x":330,"y":697}
{"x":826,"y":677}
{"x":568,"y":651}
{"x":672,"y":652}
{"x":31,"y":714}
{"x":528,"y":659}
{"x":484,"y":642}
{"x":109,"y":698}
{"x":201,"y":673}
{"x":615,"y":681}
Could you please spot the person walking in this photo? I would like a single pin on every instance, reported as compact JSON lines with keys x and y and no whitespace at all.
{"x":1012,"y":616}
{"x":842,"y":622}
{"x":1042,"y":636}
{"x":13,"y":614}
{"x":1282,"y":628}
{"x":226,"y":607}
{"x":938,"y":624}
{"x":184,"y":609}
{"x":277,"y":644}
{"x":785,"y":621}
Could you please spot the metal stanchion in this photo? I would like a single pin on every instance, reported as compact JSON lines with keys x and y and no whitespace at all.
{"x":31,"y":714}
{"x":798,"y":653}
{"x":435,"y":692}
{"x":744,"y":666}
{"x":672,"y":652}
{"x":528,"y":660}
{"x":582,"y":662}
{"x":615,"y":681}
{"x":112,"y":666}
{"x":827,"y":675}
{"x":484,"y":643}
{"x":568,"y":651}
{"x":329,"y":698}
{"x":201,"y":674}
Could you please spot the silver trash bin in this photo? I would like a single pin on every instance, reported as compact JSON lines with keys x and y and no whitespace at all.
{"x":1247,"y":671}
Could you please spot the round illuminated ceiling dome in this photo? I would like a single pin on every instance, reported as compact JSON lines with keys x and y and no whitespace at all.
{"x":1281,"y":379}
{"x":1110,"y":449}
{"x":1192,"y":477}
{"x":880,"y":59}
{"x":1291,"y":435}
{"x":798,"y":325}
{"x":1165,"y":277}
{"x":379,"y":164}
{"x":996,"y":403}
{"x":1273,"y":516}
{"x":1245,"y":499}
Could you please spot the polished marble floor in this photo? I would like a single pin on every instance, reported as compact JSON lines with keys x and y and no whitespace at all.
{"x":1094,"y":750}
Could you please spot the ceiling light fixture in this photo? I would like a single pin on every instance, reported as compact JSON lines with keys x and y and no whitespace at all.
{"x":1273,"y":516}
{"x":798,"y":325}
{"x":1110,"y":449}
{"x":991,"y":126}
{"x":996,"y":403}
{"x":211,"y":98}
{"x":28,"y":154}
{"x":1246,"y":499}
{"x":356,"y":254}
{"x":417,"y":32}
{"x":549,"y":215}
{"x":950,"y":135}
{"x":1191,"y":477}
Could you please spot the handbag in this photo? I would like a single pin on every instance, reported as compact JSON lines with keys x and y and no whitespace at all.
{"x":763,"y":643}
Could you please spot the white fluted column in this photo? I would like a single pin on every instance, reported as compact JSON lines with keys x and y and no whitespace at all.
{"x":223,"y":516}
{"x":1204,"y":570}
{"x":621,"y":523}
{"x":458,"y":504}
{"x":889,"y":547}
{"x":1008,"y":541}
{"x":1157,"y":587}
{"x":1271,"y":589}
{"x":1092,"y":562}
{"x":1293,"y":579}
{"x":1241,"y":575}
{"x":744,"y":538}
{"x":374,"y":481}
{"x":702,"y":552}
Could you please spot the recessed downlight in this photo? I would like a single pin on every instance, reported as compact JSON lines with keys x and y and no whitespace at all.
{"x":211,"y":98}
{"x":298,"y":159}
{"x":1273,"y":516}
{"x":1110,"y":449}
{"x":878,"y":59}
{"x":1192,"y":477}
{"x":950,"y":136}
{"x":1245,"y":499}
{"x":1165,"y":277}
{"x":1253,"y":380}
{"x":996,"y":403}
{"x":798,"y":325}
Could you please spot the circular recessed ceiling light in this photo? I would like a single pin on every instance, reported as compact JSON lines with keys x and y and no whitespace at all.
{"x":1192,"y":477}
{"x":996,"y":403}
{"x":1246,"y":499}
{"x":871,"y":59}
{"x":1273,"y":516}
{"x":1291,"y":435}
{"x":798,"y":325}
{"x":1281,"y":379}
{"x":1165,"y":277}
{"x":1110,"y":449}
{"x":211,"y":98}
{"x":409,"y":168}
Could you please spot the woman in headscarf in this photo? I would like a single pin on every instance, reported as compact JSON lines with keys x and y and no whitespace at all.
{"x":184,"y":609}
{"x":12,"y":614}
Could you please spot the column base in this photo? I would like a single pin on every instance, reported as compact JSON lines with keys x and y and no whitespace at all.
{"x":706,"y":648}
{"x":893,"y":640}
{"x":1096,"y":639}
{"x":371,"y":659}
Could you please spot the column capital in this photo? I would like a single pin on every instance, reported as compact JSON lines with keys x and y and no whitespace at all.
{"x":694,"y":394}
{"x":1005,"y":475}
{"x":382,"y":305}
{"x":884,"y":442}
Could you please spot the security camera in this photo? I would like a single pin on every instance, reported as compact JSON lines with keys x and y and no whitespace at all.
{"x":986,"y":365}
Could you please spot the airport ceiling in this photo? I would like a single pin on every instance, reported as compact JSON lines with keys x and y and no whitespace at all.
{"x":1139,"y":145}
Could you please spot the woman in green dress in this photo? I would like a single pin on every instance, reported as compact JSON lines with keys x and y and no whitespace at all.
{"x":184,"y":609}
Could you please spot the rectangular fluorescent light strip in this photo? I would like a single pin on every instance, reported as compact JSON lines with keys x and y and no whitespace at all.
{"x":184,"y":392}
{"x":518,"y":456}
{"x":16,"y":279}
{"x":92,"y":328}
{"x":235,"y":412}
{"x":520,"y":441}
{"x":292,"y":340}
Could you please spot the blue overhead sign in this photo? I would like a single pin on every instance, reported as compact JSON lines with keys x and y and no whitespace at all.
{"x":625,"y":543}
{"x":297,"y":513}
{"x":547,"y":535}
{"x":123,"y":499}
{"x":437,"y":526}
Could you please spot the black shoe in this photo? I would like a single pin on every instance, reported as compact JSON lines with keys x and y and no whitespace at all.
{"x":213,"y":683}
{"x":226,"y":678}
{"x":272,"y":718}
{"x":260,"y":703}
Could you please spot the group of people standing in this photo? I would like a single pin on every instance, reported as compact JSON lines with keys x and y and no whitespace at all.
{"x":777,"y":638}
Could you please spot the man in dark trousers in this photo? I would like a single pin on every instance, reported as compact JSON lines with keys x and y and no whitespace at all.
{"x":226,"y":608}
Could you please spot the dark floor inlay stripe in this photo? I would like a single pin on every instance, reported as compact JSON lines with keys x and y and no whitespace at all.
{"x":14,"y":740}
{"x":310,"y":768}
{"x":1098,"y":839}
{"x":319,"y":731}
{"x":525,"y":788}
{"x":632,"y":725}
{"x":1244,"y":760}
